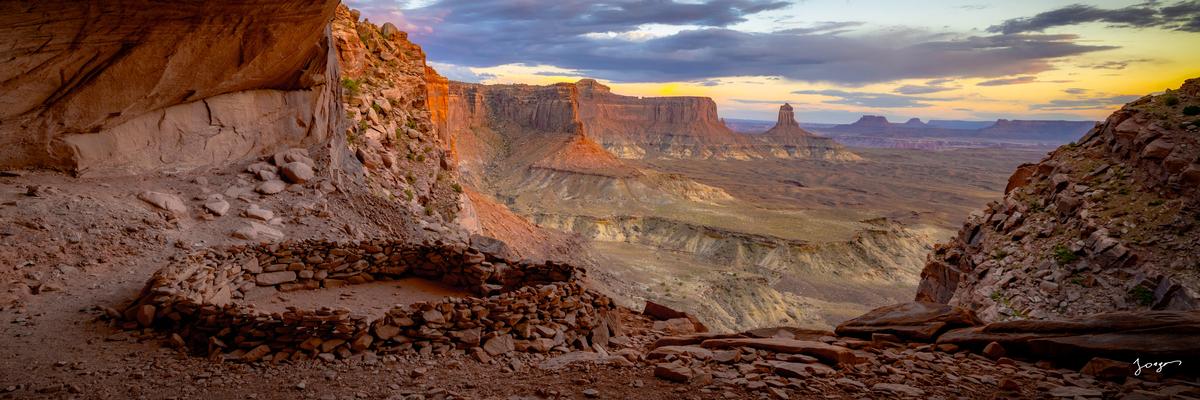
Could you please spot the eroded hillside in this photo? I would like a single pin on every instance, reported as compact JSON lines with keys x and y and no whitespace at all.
{"x":1108,"y":223}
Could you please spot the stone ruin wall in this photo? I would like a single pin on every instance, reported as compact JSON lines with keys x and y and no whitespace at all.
{"x":529,"y":306}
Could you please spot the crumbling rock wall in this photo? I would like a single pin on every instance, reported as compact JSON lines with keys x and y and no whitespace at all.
{"x":522,"y":305}
{"x":112,"y":88}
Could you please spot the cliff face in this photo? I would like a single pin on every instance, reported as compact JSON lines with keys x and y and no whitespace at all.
{"x":119,"y":88}
{"x":1108,"y":224}
{"x":627,"y":127}
{"x":396,"y":105}
{"x":633,"y":127}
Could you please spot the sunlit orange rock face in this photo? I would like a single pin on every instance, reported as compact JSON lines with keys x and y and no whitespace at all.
{"x":126,"y":87}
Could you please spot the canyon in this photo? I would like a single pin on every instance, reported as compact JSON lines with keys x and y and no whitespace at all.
{"x":217,"y":201}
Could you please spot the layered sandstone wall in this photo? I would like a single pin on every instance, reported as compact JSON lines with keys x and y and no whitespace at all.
{"x":118,"y":88}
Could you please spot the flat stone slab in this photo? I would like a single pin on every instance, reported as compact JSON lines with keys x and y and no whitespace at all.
{"x":835,"y":355}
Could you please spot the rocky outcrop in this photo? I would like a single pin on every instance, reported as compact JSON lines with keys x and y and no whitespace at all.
{"x":1108,"y":224}
{"x":132,"y":87}
{"x":396,"y":105}
{"x":788,"y":140}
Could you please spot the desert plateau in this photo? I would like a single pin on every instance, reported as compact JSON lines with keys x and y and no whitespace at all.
{"x":709,"y":199}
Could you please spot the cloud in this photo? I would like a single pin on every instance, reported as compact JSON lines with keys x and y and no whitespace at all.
{"x":933,"y":86}
{"x":1182,"y":16}
{"x":757,"y":101}
{"x":1083,"y":104}
{"x":1075,"y":91}
{"x":867,"y":99}
{"x":825,"y":28}
{"x":1116,"y":65}
{"x":1008,"y":81}
{"x":460,"y":73}
{"x":484,"y":35}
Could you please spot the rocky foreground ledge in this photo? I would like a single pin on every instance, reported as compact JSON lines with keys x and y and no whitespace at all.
{"x":903,"y":350}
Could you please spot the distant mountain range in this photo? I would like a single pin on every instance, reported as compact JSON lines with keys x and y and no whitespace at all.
{"x":877,"y":131}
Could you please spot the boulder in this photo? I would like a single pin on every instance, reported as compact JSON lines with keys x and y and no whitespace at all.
{"x":164,"y":201}
{"x":298,"y":172}
{"x":217,"y":207}
{"x":674,"y":372}
{"x":271,"y":187}
{"x":499,"y":345}
{"x":920,"y":321}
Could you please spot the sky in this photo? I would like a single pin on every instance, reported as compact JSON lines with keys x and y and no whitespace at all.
{"x":833,"y":60}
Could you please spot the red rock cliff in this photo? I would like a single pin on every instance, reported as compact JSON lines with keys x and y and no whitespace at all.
{"x":136,"y":86}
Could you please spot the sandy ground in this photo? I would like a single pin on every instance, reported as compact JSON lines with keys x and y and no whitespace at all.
{"x":372,"y":299}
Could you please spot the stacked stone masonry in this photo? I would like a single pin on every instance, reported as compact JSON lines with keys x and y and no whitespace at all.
{"x":521,"y":305}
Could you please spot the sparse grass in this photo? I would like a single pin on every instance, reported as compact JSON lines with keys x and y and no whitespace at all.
{"x":428,"y":210}
{"x":457,"y":188}
{"x":411,"y":124}
{"x":408,"y":194}
{"x":378,"y":109}
{"x":352,"y":86}
{"x":1142,"y":295}
{"x":1064,"y":255}
{"x":999,"y":254}
{"x":420,"y":158}
{"x":1077,"y":280}
{"x":1157,"y":202}
{"x":1169,"y":99}
{"x":410,"y":178}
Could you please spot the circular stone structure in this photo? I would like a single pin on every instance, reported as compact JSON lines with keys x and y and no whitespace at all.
{"x":509,"y":305}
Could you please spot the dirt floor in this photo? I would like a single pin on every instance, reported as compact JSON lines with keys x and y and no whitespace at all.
{"x":372,"y":300}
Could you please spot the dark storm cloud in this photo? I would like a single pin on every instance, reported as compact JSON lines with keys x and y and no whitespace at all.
{"x":868,"y":99}
{"x":1084,"y":104}
{"x":1183,"y":16}
{"x":601,"y":39}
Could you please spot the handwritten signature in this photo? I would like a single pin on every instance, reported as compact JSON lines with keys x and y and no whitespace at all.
{"x":1158,"y":365}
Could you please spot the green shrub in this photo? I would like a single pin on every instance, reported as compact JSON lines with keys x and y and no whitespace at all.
{"x":1170,"y":99}
{"x":352,"y":86}
{"x":1191,"y":110}
{"x":1064,"y":255}
{"x":1157,"y":202}
{"x":1142,"y":295}
{"x":408,"y":195}
{"x":457,"y":188}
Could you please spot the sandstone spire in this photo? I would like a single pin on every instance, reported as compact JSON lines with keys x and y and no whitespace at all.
{"x":786,"y":117}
